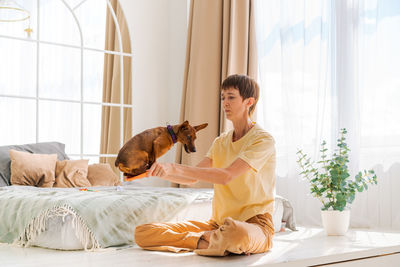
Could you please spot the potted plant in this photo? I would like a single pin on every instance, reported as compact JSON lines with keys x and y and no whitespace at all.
{"x":331,"y":183}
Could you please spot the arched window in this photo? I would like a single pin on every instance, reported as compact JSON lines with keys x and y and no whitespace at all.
{"x":64,"y":81}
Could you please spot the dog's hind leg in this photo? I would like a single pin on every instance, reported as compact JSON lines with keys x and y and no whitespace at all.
{"x":136,"y":163}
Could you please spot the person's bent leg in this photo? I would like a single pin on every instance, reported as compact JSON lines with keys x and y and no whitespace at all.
{"x":176,"y":237}
{"x":253,"y":236}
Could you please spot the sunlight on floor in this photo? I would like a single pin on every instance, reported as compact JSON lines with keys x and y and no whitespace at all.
{"x":280,"y":249}
{"x":301,"y":234}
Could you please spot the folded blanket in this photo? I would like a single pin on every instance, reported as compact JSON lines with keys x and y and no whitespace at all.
{"x":101,"y":218}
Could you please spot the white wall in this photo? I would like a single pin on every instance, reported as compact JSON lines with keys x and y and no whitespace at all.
{"x":158,"y":31}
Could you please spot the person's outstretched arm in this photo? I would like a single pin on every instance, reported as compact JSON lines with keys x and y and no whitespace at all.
{"x":205,"y":163}
{"x":202,"y":172}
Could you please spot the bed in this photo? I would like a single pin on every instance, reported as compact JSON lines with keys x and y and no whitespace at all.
{"x":101,"y":217}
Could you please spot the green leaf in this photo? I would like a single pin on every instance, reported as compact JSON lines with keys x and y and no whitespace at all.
{"x":351,"y":197}
{"x":340,"y":205}
{"x":358,"y":177}
{"x":340,"y":197}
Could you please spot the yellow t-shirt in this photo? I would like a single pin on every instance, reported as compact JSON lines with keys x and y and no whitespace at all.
{"x":253,"y":192}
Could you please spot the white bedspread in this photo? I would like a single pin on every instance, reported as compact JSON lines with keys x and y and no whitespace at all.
{"x":101,"y":218}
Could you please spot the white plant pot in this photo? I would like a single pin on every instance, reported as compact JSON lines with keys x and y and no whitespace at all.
{"x":335,"y":222}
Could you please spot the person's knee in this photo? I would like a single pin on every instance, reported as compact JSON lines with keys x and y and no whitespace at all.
{"x":236,"y":236}
{"x":232,"y":236}
{"x":242,"y":237}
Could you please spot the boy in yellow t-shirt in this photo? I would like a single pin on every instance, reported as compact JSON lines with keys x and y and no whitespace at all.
{"x":241,"y":165}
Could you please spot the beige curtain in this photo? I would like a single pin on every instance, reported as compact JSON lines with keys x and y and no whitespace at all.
{"x":221,"y":41}
{"x":110,"y":124}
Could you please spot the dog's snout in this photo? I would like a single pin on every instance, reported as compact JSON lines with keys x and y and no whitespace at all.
{"x":189,"y":148}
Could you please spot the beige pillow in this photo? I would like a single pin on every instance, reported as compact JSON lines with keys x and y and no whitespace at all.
{"x":32,"y":169}
{"x":72,"y":173}
{"x":102,"y":175}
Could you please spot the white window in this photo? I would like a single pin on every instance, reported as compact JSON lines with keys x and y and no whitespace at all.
{"x":51,"y":83}
{"x":326,"y":65}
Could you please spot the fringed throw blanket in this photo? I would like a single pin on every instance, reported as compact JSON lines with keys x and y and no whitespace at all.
{"x":102,"y":218}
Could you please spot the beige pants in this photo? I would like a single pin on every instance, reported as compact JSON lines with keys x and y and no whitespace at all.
{"x":253,"y":236}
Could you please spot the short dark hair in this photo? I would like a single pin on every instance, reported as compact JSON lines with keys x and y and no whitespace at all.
{"x":247,"y":87}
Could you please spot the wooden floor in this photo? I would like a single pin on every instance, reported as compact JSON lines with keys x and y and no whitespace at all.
{"x":306,"y":247}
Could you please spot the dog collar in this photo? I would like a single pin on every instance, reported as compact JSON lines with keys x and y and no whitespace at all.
{"x":171,"y":132}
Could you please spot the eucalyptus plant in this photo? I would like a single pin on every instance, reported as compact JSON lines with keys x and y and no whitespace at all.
{"x":329,"y":178}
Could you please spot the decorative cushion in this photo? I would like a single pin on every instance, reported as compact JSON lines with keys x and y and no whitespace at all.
{"x":102,"y":175}
{"x":72,"y":173}
{"x":32,"y":169}
{"x":39,"y":148}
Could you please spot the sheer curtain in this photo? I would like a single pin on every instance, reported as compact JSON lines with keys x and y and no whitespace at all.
{"x":378,"y":74}
{"x":324,"y":65}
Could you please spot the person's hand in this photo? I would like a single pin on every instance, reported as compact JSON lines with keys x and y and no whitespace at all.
{"x":161,"y":169}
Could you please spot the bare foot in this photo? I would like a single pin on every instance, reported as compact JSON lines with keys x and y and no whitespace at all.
{"x":206,"y":235}
{"x":202,"y":244}
{"x":204,"y":240}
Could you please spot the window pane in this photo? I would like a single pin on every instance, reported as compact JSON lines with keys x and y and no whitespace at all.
{"x":18,"y":120}
{"x":59,"y":72}
{"x":18,"y":68}
{"x":93,"y":67}
{"x":93,"y":26}
{"x":59,"y":121}
{"x":91,"y":129}
{"x":57,"y":23}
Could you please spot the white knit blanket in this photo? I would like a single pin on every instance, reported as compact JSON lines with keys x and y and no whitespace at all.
{"x":101,"y":218}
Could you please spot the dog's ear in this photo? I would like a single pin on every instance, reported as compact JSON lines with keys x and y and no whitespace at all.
{"x":184,"y":125}
{"x":201,"y":126}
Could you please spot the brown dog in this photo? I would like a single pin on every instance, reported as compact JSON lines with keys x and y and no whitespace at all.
{"x":142,"y":150}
